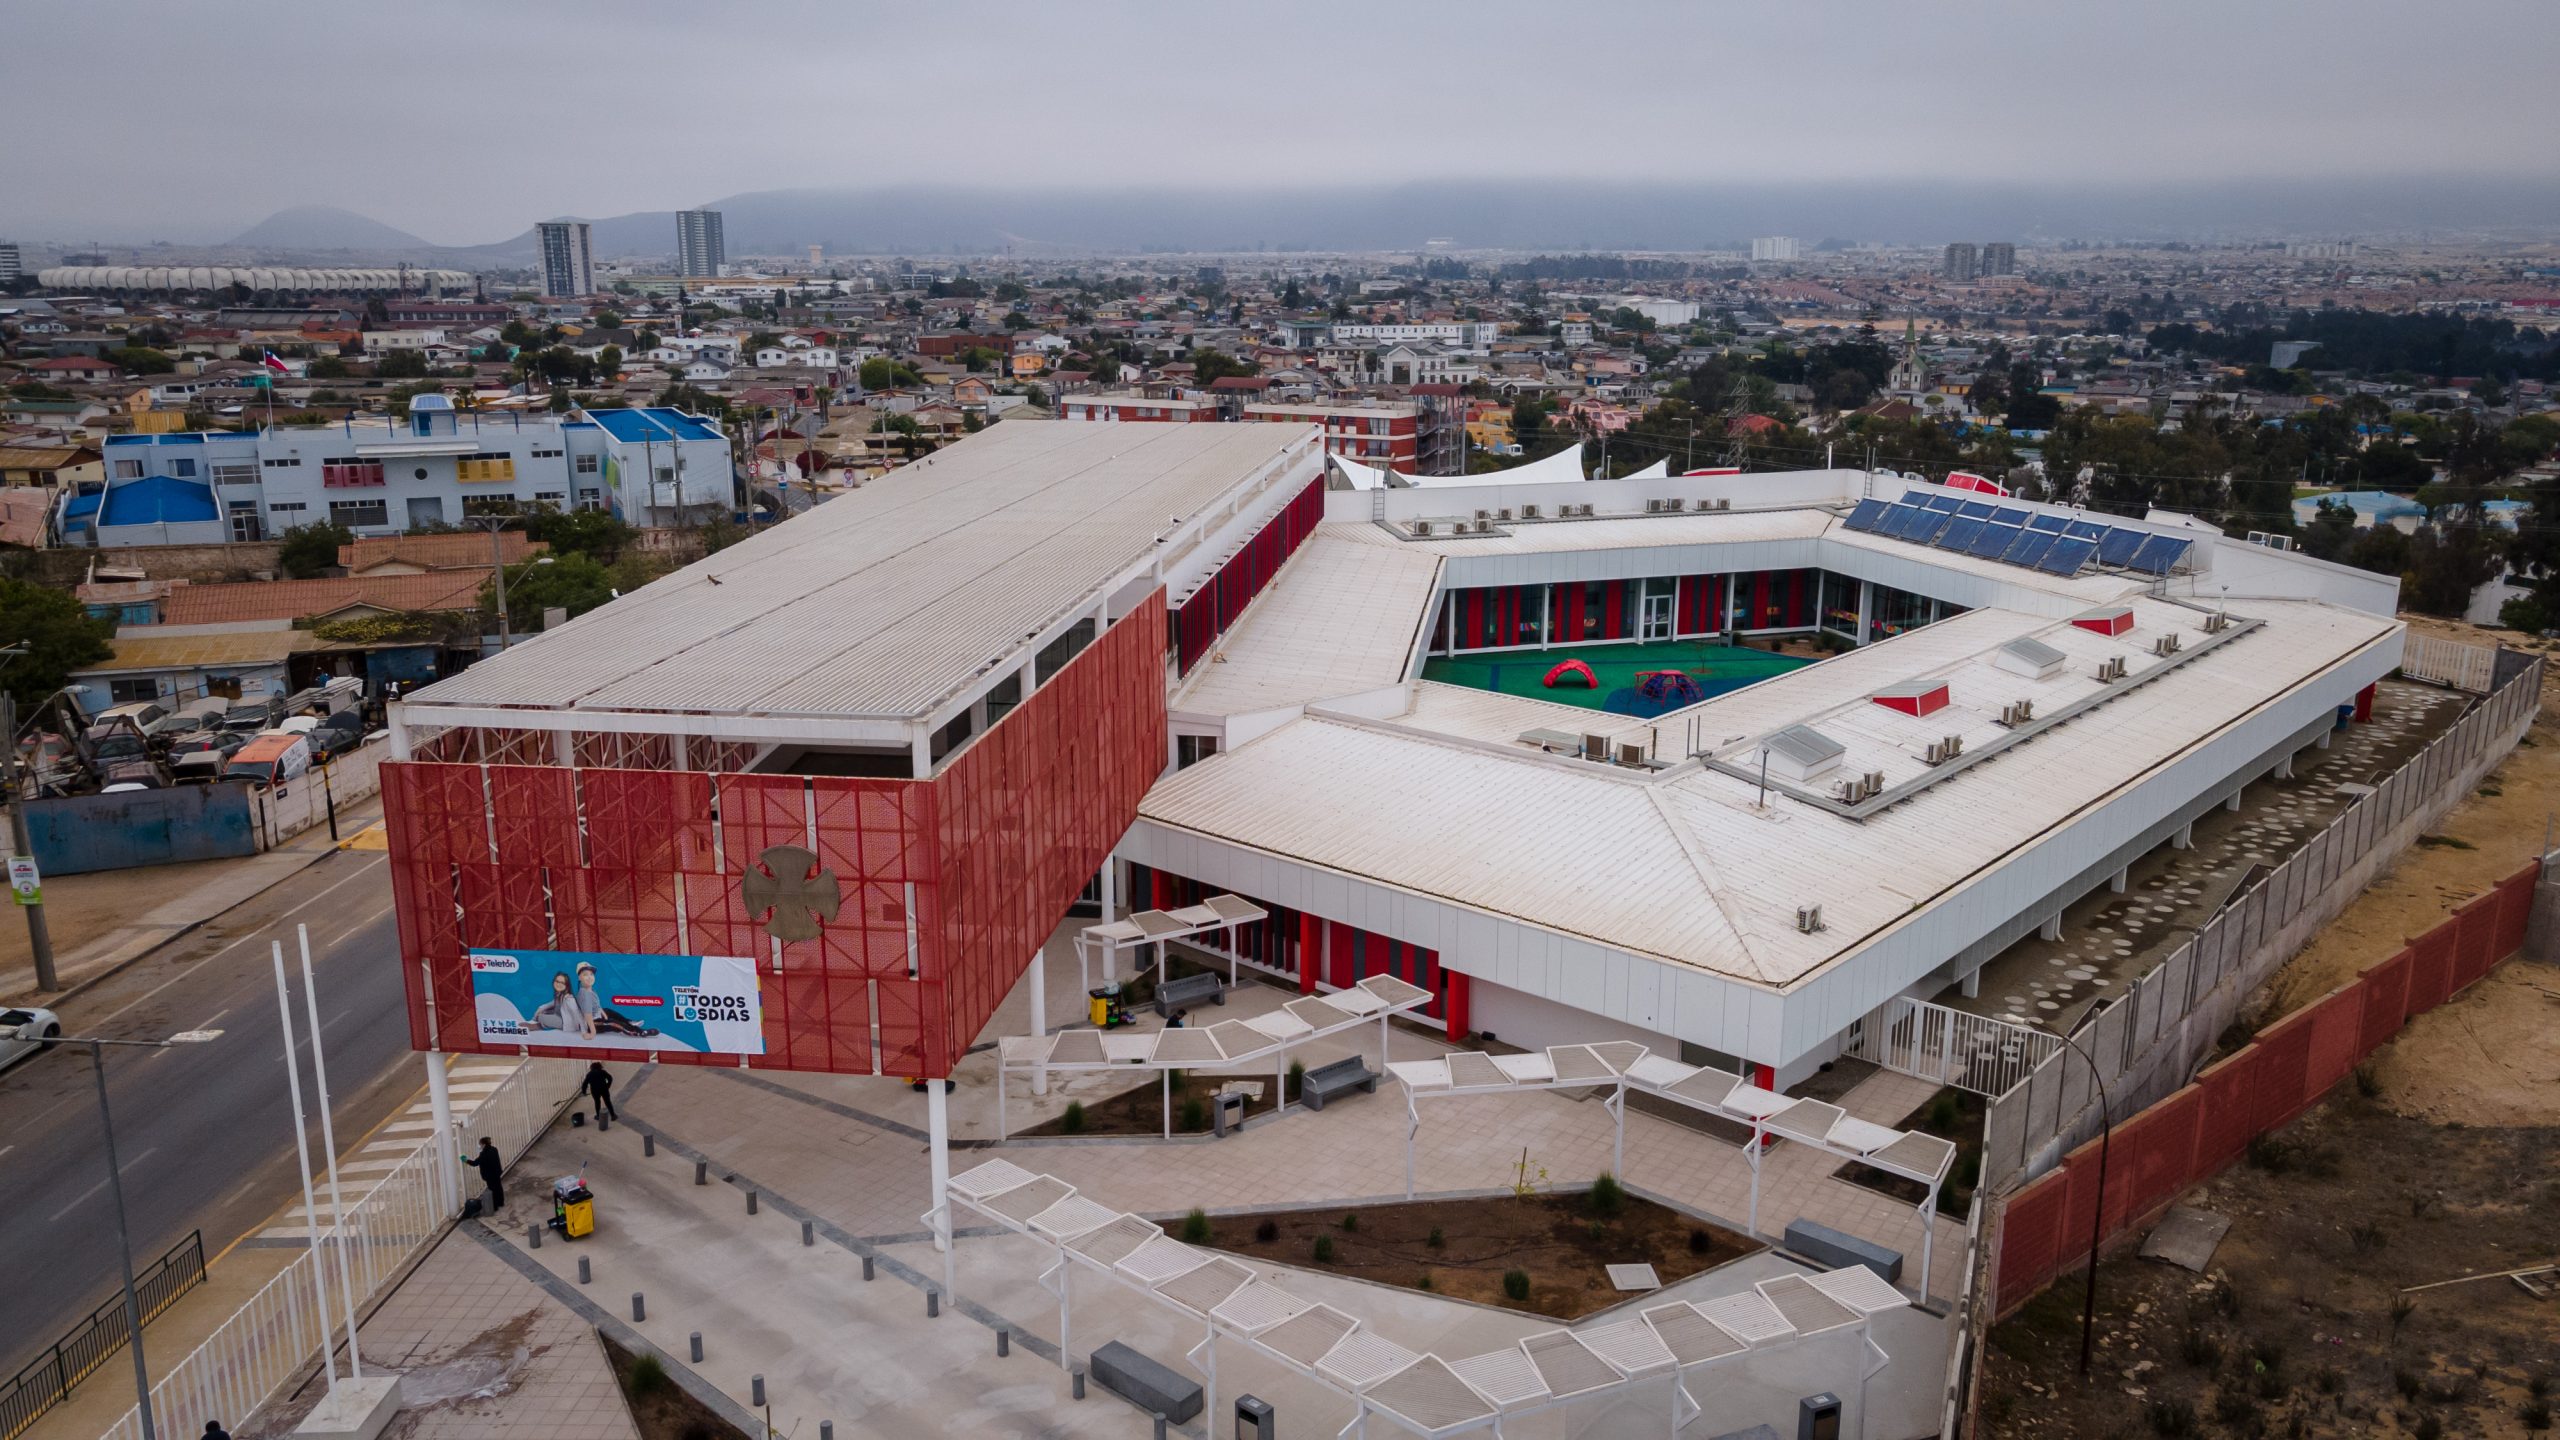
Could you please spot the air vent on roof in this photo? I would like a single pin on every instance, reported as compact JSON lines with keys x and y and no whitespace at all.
{"x":1913,"y":697}
{"x":1801,"y":753}
{"x":2032,"y":658}
{"x":1809,"y":919}
{"x":2106,"y":619}
{"x":2110,"y":670}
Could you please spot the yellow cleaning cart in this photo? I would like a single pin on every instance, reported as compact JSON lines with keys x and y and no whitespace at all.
{"x":573,"y":1207}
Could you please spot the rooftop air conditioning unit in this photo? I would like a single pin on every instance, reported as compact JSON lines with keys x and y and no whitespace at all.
{"x":2110,"y":669}
{"x":2216,"y":623}
{"x":1875,"y":782}
{"x":1422,"y":528}
{"x":2165,"y":646}
{"x":1595,"y":747}
{"x":1809,"y":919}
{"x":1630,"y":754}
{"x":1586,"y":509}
{"x":1724,"y":504}
{"x":1484,"y":514}
{"x":1503,"y":514}
{"x":1653,"y":507}
{"x":1528,"y":512}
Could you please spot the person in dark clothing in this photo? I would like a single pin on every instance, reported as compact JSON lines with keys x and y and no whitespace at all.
{"x":493,"y":1173}
{"x":213,"y":1431}
{"x":599,"y":1088}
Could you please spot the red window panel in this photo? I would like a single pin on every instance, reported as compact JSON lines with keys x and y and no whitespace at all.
{"x":504,"y":908}
{"x":817,"y":1021}
{"x":758,"y":812}
{"x":717,"y":921}
{"x":435,"y":812}
{"x":616,"y":912}
{"x":1613,"y":622}
{"x":647,"y":820}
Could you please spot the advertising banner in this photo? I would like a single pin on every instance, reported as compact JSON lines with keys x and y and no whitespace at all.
{"x":694,"y":1004}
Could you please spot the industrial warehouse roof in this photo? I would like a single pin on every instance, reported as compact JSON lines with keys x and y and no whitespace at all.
{"x":885,"y":601}
{"x":1682,"y":864}
{"x":217,"y":650}
{"x":1340,"y":618}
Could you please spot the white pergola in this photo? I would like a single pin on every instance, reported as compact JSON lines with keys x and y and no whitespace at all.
{"x":1418,"y":1391}
{"x":1154,"y":927}
{"x":1619,"y":1065}
{"x":1253,"y":1039}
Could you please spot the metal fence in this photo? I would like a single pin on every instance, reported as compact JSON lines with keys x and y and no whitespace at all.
{"x":2447,"y":662}
{"x":285,"y":1326}
{"x":86,"y":1346}
{"x":298,"y":805}
{"x":1952,"y":1047}
{"x":1960,"y":1325}
{"x":2148,"y":1041}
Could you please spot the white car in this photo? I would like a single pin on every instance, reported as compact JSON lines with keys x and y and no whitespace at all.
{"x":23,"y":1032}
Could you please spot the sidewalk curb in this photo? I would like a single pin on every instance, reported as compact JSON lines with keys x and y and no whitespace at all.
{"x":57,"y":998}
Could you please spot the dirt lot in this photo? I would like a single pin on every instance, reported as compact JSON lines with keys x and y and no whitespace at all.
{"x":2294,"y":1330}
{"x":1556,"y":1239}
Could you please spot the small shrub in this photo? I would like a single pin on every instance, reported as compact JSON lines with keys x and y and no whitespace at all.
{"x":2408,"y":1382}
{"x":2537,"y":1385}
{"x":1607,"y":1197}
{"x":2233,"y":1407}
{"x":2198,"y":1348}
{"x":2271,"y":1385}
{"x":1515,"y":1284}
{"x":1266,"y":1232}
{"x":2368,"y":1080}
{"x":1195,"y":1113}
{"x":2444,"y":842}
{"x":1195,"y":1227}
{"x":1297,"y":1073}
{"x":2326,"y":1380}
{"x":2536,"y":1415}
{"x":2402,"y":1307}
{"x":1436,"y":1240}
{"x":648,"y":1376}
{"x":1944,"y":1113}
{"x":1324,"y":1249}
{"x":1351,"y":1224}
{"x":2224,"y":1300}
{"x":1598,"y":1230}
{"x":1072,"y":1122}
{"x":2423,"y":1206}
{"x":1424,"y":1283}
{"x":2369,"y":1236}
{"x":2430,"y":1427}
{"x":2172,"y":1417}
{"x":1700,"y":1242}
{"x":2268,"y":1153}
{"x":2266,"y":1355}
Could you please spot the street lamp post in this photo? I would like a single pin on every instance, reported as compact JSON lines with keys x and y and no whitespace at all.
{"x":39,"y":935}
{"x":2098,"y":1212}
{"x":115,"y":1191}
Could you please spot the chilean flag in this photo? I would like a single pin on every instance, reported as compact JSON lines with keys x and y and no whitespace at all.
{"x":274,"y":364}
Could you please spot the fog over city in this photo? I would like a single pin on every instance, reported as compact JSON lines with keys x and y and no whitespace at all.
{"x":462,"y":123}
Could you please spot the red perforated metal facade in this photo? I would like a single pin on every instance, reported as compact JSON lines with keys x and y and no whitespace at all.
{"x":947,"y":885}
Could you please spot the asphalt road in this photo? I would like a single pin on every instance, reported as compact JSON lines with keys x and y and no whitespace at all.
{"x":204,"y":1131}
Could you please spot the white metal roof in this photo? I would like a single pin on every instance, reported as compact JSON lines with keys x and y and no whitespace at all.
{"x":884,"y":600}
{"x":1682,"y":864}
{"x":1339,"y":618}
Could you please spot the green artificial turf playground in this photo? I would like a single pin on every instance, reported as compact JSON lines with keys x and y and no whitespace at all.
{"x":1716,"y":667}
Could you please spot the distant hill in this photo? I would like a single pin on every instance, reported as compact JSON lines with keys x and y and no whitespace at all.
{"x":326,"y":227}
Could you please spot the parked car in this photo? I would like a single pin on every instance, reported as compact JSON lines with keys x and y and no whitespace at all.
{"x":201,"y":767}
{"x":336,"y":736}
{"x":141,"y":772}
{"x":143,"y":715}
{"x":111,"y":743}
{"x":220,"y":743}
{"x":251,"y":716}
{"x":271,"y":759}
{"x":26,"y":1030}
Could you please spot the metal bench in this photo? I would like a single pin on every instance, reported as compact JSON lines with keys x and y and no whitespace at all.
{"x":1172,"y":995}
{"x":1835,"y":1251}
{"x":1341,"y":1077}
{"x":1153,"y":1387}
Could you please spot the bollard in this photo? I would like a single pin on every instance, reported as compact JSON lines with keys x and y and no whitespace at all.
{"x":756,"y":1383}
{"x":1077,"y":1375}
{"x":701,"y":1172}
{"x":1004,"y":1343}
{"x":533,"y":1237}
{"x":648,"y":1144}
{"x":808,"y":1232}
{"x":826,"y":1430}
{"x":1158,"y":1417}
{"x":696,"y":1350}
{"x":639,"y":1308}
{"x":866,"y":1267}
{"x":751,"y":1202}
{"x":585,"y":1274}
{"x":932,"y":1303}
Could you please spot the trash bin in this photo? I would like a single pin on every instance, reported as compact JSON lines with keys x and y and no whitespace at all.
{"x":1818,"y":1417}
{"x":1227,"y":1113}
{"x":1254,"y":1419}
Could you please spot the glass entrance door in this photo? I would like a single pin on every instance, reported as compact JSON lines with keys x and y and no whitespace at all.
{"x":1655,"y":622}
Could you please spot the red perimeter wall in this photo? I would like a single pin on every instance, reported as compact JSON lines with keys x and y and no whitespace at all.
{"x":632,"y":861}
{"x":2156,"y":1155}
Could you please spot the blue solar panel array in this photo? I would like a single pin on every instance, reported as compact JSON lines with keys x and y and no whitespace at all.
{"x":2054,"y":544}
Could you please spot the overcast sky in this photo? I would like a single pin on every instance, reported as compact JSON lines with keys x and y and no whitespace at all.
{"x":463,"y":122}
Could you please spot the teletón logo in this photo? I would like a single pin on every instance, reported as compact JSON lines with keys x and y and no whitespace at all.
{"x":787,"y":881}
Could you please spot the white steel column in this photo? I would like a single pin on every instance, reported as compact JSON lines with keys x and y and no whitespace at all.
{"x":1038,"y":975}
{"x":329,"y":1150}
{"x":448,"y":1159}
{"x":302,"y":1153}
{"x":2122,"y":878}
{"x":937,"y":1120}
